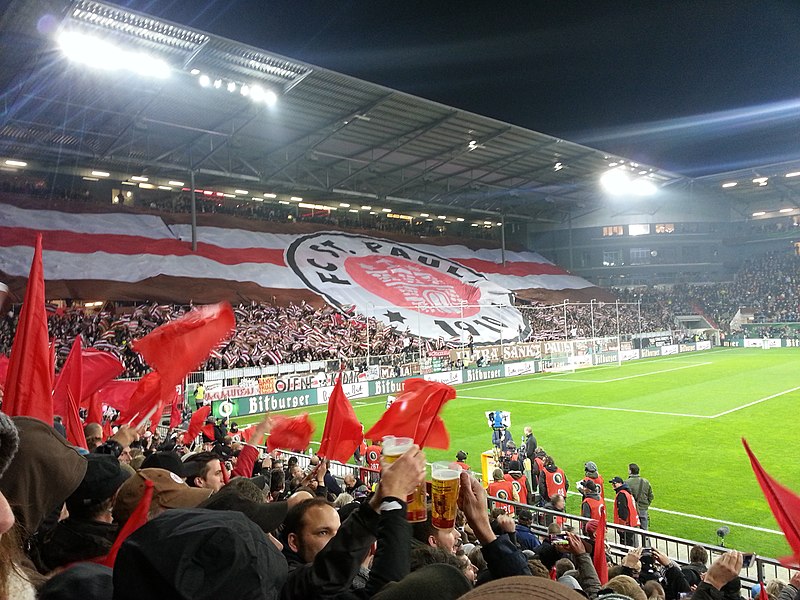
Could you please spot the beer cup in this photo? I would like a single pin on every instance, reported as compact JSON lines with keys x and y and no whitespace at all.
{"x":393,"y":447}
{"x":444,"y":494}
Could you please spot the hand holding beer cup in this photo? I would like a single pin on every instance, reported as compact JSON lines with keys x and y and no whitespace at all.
{"x":444,"y":494}
{"x":396,"y":449}
{"x":401,"y":477}
{"x":472,"y":501}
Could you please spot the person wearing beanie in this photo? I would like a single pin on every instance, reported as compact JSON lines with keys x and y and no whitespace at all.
{"x":590,"y":473}
{"x":504,"y":490}
{"x":461,"y":456}
{"x":88,"y":532}
{"x":15,"y":581}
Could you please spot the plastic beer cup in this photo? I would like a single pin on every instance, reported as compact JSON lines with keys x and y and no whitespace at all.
{"x":393,"y":447}
{"x":444,"y":494}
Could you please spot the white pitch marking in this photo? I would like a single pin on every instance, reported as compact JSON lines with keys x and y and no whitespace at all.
{"x":611,"y":408}
{"x":754,"y":402}
{"x":703,"y":364}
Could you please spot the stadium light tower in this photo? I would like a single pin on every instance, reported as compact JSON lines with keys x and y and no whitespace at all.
{"x":618,"y":182}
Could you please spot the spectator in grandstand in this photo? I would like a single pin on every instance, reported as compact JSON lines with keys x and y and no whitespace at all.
{"x":552,"y":481}
{"x":557,"y":504}
{"x":93,"y":432}
{"x":642,"y":492}
{"x":325,"y":555}
{"x":203,"y":470}
{"x":88,"y":532}
{"x":625,"y":511}
{"x":525,"y":536}
{"x":461,"y":456}
{"x":698,"y":559}
{"x":169,"y":492}
{"x":426,"y":534}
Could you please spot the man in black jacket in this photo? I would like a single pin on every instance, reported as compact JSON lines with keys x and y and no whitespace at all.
{"x":324,"y":556}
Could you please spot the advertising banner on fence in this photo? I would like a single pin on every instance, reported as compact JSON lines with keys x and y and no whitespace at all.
{"x":706,"y":345}
{"x":482,"y":373}
{"x":263,"y":403}
{"x":528,"y":367}
{"x":669,"y":349}
{"x":351,"y":390}
{"x":448,"y":377}
{"x":629,"y":355}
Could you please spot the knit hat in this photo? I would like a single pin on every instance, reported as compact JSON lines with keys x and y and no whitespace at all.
{"x":523,"y":587}
{"x":103,"y":478}
{"x":9,"y":442}
{"x":268,"y":516}
{"x":461,"y":455}
{"x":169,"y":491}
{"x":441,"y":581}
{"x":164,"y":460}
{"x":590,"y":467}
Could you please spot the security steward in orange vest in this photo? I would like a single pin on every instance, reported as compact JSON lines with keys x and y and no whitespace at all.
{"x":593,"y":505}
{"x":552,"y":481}
{"x":625,"y":512}
{"x":500,"y":488}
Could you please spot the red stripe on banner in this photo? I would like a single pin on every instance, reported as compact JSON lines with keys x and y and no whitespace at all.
{"x":87,"y":243}
{"x":518,"y":269}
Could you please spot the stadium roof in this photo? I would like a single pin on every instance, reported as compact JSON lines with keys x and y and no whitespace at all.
{"x":328,"y":138}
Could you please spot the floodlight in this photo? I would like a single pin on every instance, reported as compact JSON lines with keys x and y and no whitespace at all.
{"x":353,"y":210}
{"x":499,"y":224}
{"x":257,"y":93}
{"x":761,"y":181}
{"x":204,"y":80}
{"x":759,"y":213}
{"x":164,"y":187}
{"x":786,"y":210}
{"x":424,"y":215}
{"x":100,"y":54}
{"x":91,"y":179}
{"x":242,"y":192}
{"x":282,"y":202}
{"x":270,"y":195}
{"x":139,"y":178}
{"x":344,"y":205}
{"x":792,"y":174}
{"x":366,"y":208}
{"x":270,"y":98}
{"x":231,"y":87}
{"x":460,"y":219}
{"x":16,"y":163}
{"x":178,"y":183}
{"x":100,"y":173}
{"x":296,"y":199}
{"x":245,"y":90}
{"x":615,"y":181}
{"x":558,"y":166}
{"x":386,"y":210}
{"x":195,"y":71}
{"x":442,"y":217}
{"x":730,"y":184}
{"x":218,"y":83}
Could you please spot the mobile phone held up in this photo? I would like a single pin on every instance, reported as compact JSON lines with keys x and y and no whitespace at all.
{"x":747,"y":559}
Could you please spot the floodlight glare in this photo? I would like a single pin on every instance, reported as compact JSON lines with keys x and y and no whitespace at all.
{"x":100,"y":54}
{"x":759,"y":213}
{"x":257,"y":93}
{"x":270,"y":98}
{"x":785,"y":210}
{"x":204,"y":80}
{"x":615,"y":181}
{"x":16,"y":163}
{"x":195,"y":71}
{"x":245,"y":90}
{"x":231,"y":87}
{"x":178,"y":183}
{"x":268,"y":195}
{"x":730,"y":184}
{"x":643,"y":187}
{"x":218,"y":83}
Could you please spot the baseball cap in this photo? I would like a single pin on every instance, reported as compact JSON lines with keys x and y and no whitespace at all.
{"x":590,"y":486}
{"x":169,"y":491}
{"x":589,"y":466}
{"x":617,"y":480}
{"x":103,"y":478}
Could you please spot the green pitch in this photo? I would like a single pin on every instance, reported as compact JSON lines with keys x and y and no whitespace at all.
{"x":680,"y":418}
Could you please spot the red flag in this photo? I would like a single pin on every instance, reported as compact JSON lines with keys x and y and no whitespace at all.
{"x":3,"y":370}
{"x":178,"y":347}
{"x":196,"y":424}
{"x":599,"y":554}
{"x":29,"y":383}
{"x":99,"y":368}
{"x":137,"y":519}
{"x":69,"y":380}
{"x":415,"y":414}
{"x":145,"y":398}
{"x":785,"y":505}
{"x":117,"y":394}
{"x":208,"y":431}
{"x":95,"y":414}
{"x":226,"y":477}
{"x":290,"y":433}
{"x":762,"y":594}
{"x":343,"y":432}
{"x":246,"y":433}
{"x":73,"y":425}
{"x":175,"y":416}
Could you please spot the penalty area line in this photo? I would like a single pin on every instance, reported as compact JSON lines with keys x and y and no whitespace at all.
{"x":754,"y":402}
{"x":588,"y":406}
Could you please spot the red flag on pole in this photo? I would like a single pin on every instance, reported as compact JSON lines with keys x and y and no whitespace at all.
{"x":175,"y":416}
{"x":95,"y":414}
{"x":3,"y":370}
{"x":73,"y":425}
{"x":144,"y":399}
{"x":117,"y":394}
{"x":98,"y":369}
{"x":599,"y":554}
{"x":784,"y":503}
{"x":69,"y":380}
{"x":343,"y":432}
{"x":136,"y":520}
{"x":415,"y":414}
{"x":196,"y":424}
{"x":762,"y":594}
{"x":178,"y":347}
{"x":29,"y":383}
{"x":291,"y":433}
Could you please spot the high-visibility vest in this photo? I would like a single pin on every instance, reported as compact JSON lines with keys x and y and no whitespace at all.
{"x":599,"y":482}
{"x":556,"y":483}
{"x":633,"y":514}
{"x":597,"y":507}
{"x":373,"y":457}
{"x":505,"y":491}
{"x":520,"y":486}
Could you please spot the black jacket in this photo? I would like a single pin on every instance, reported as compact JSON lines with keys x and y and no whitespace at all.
{"x":334,"y":568}
{"x":530,"y":446}
{"x":74,"y":540}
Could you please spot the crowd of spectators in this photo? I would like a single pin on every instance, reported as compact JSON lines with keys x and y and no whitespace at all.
{"x":227,"y":519}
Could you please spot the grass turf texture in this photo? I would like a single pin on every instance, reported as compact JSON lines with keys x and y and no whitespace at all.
{"x":670,"y":415}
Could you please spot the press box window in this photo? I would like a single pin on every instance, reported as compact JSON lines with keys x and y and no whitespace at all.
{"x":612,"y":230}
{"x":639,"y":229}
{"x":665,"y":228}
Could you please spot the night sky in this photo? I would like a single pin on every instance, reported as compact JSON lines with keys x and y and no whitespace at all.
{"x":693,"y":87}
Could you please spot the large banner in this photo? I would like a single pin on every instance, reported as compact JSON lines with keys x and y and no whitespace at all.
{"x":447,"y":291}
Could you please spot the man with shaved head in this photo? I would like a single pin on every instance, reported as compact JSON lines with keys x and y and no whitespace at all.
{"x":94,"y":435}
